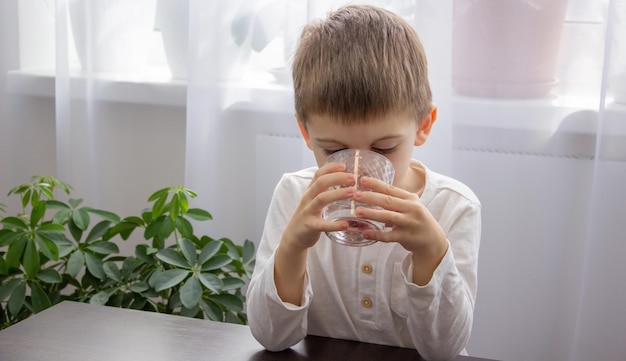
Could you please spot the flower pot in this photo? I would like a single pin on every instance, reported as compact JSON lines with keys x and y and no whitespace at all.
{"x":506,"y":48}
{"x":172,"y":20}
{"x":111,"y":35}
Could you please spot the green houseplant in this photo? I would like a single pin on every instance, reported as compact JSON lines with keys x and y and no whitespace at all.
{"x":57,"y":250}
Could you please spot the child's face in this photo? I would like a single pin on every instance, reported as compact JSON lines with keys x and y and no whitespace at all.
{"x":392,"y":135}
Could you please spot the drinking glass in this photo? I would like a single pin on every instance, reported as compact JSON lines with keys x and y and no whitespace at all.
{"x":361,"y":163}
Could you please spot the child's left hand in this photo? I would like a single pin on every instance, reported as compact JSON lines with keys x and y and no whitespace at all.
{"x":411,"y":223}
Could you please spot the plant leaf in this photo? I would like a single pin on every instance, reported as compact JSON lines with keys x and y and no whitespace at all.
{"x":76,"y":232}
{"x":159,"y":205}
{"x":102,"y":297}
{"x":105,"y":215}
{"x":80,"y":219}
{"x":111,"y":270}
{"x":170,"y":278}
{"x":216,"y":262}
{"x":26,"y":198}
{"x":170,"y":256}
{"x":211,"y":281}
{"x":7,"y":237}
{"x":234,"y":317}
{"x":94,"y":265}
{"x":7,"y":288}
{"x":175,"y":206}
{"x":161,"y":227}
{"x":75,"y":202}
{"x":209,"y":250}
{"x":75,"y":263}
{"x":155,"y":274}
{"x":104,"y":247}
{"x":14,"y":223}
{"x":190,"y":293}
{"x":4,"y":269}
{"x":56,"y":204}
{"x":212,"y":310}
{"x":199,"y":214}
{"x":233,"y":250}
{"x":31,"y":259}
{"x":62,"y":216}
{"x":37,"y":213}
{"x":39,"y":299}
{"x":128,"y":266}
{"x":184,"y":311}
{"x":124,"y":229}
{"x":189,"y":250}
{"x":189,"y":192}
{"x":51,"y":228}
{"x":227,"y":300}
{"x":137,"y":221}
{"x":142,"y":252}
{"x":248,"y":251}
{"x":46,"y":190}
{"x":98,"y":231}
{"x":184,"y":227}
{"x":16,"y":301}
{"x":50,"y":275}
{"x":159,"y":193}
{"x":184,"y":203}
{"x":139,"y":287}
{"x":232,"y":283}
{"x":64,"y":245}
{"x":47,"y":247}
{"x":14,"y":254}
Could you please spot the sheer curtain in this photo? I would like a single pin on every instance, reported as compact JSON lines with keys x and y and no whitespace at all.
{"x":601,"y":321}
{"x":548,"y":167}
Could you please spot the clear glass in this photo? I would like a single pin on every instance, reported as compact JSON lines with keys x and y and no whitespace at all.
{"x":360,"y":163}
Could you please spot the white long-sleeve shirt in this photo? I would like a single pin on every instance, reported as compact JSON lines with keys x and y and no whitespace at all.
{"x":366,"y":293}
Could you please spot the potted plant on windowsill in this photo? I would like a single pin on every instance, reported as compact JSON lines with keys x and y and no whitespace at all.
{"x":55,"y":250}
{"x":111,"y":35}
{"x":506,"y":49}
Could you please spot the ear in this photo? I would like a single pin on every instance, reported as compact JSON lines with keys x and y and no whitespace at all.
{"x":426,"y":125}
{"x":304,"y":132}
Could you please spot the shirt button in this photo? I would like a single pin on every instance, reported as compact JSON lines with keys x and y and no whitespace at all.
{"x":366,"y":302}
{"x":366,"y":268}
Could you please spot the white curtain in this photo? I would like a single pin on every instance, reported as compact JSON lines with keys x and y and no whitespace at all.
{"x":601,"y":321}
{"x":548,"y":168}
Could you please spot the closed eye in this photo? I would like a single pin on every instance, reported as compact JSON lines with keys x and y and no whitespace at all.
{"x":384,"y":150}
{"x":331,"y":151}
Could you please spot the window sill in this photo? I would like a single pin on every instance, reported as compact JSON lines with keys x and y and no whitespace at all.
{"x":154,"y":87}
{"x":554,"y":127}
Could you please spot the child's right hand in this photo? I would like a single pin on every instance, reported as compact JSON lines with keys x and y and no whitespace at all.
{"x":307,"y":224}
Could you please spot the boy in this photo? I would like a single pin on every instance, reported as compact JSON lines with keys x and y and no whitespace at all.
{"x":360,"y":81}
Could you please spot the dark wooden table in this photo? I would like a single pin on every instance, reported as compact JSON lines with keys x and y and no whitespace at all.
{"x":73,"y":331}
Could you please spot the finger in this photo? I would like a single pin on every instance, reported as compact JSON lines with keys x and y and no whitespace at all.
{"x":377,"y":185}
{"x":330,"y":168}
{"x":380,"y":236}
{"x":332,"y":175}
{"x":334,"y":226}
{"x":387,"y":202}
{"x":325,"y":198}
{"x":388,"y":217}
{"x":325,"y":180}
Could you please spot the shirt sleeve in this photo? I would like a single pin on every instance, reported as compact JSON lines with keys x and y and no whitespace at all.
{"x":277,"y":325}
{"x":440,"y":313}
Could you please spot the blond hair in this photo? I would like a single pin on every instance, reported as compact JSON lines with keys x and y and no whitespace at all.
{"x":360,"y":62}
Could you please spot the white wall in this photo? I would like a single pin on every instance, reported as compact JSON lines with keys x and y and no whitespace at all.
{"x":531,"y":253}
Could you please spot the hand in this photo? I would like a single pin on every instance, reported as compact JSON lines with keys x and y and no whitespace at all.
{"x":305,"y":227}
{"x":411,"y":223}
{"x":306,"y":224}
